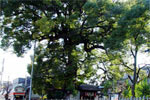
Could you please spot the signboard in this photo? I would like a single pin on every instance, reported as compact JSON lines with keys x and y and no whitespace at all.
{"x":114,"y":96}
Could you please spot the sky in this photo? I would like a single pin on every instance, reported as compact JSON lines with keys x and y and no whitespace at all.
{"x":14,"y":66}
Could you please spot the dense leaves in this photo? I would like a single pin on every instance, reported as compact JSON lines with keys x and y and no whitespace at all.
{"x":75,"y":38}
{"x":143,"y":89}
{"x":66,"y":31}
{"x":130,"y":37}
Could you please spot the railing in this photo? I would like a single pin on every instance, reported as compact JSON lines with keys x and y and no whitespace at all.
{"x":139,"y":98}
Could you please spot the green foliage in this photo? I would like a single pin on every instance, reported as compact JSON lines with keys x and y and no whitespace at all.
{"x":143,"y":89}
{"x":107,"y":85}
{"x":68,"y":33}
{"x":115,"y":71}
{"x":65,"y":31}
{"x":127,"y":91}
{"x":57,"y":76}
{"x":45,"y":24}
{"x":129,"y":37}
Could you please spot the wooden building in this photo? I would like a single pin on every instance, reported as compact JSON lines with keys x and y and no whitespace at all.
{"x":87,"y":92}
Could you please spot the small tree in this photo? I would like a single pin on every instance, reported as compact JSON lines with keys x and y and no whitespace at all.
{"x":130,"y":38}
{"x":7,"y":89}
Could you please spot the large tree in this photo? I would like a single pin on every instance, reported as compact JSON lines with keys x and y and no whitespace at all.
{"x":66,"y":31}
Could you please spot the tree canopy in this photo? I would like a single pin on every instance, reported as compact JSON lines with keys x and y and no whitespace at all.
{"x":134,"y":26}
{"x":66,"y":32}
{"x":74,"y":36}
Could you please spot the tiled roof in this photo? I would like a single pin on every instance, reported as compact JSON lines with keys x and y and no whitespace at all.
{"x":89,"y":87}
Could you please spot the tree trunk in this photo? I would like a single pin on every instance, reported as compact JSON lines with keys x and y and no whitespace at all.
{"x":135,"y":74}
{"x":133,"y":90}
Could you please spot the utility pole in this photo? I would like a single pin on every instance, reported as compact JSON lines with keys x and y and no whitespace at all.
{"x":8,"y":79}
{"x":30,"y":92}
{"x":25,"y":81}
{"x":8,"y":83}
{"x":2,"y":72}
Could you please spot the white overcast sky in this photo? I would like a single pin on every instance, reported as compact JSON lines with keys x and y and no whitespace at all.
{"x":14,"y":66}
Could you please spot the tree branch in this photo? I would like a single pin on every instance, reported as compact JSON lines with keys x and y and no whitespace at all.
{"x":132,"y":53}
{"x":93,"y":47}
{"x":130,"y":78}
{"x":126,"y":66}
{"x":81,"y":29}
{"x":139,"y":72}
